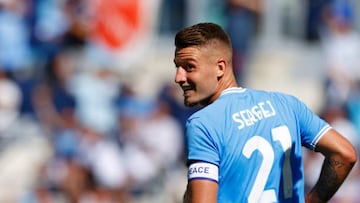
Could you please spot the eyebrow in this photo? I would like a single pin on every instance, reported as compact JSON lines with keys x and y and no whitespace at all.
{"x":185,"y":60}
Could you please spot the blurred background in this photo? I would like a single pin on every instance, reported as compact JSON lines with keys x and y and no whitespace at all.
{"x":89,"y":112}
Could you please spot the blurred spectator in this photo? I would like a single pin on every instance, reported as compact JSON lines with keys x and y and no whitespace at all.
{"x":341,"y":46}
{"x":151,"y":140}
{"x":156,"y":145}
{"x":27,"y":80}
{"x":171,"y":94}
{"x":9,"y":103}
{"x":103,"y":159}
{"x":242,"y":22}
{"x":314,"y":19}
{"x":341,"y":50}
{"x":95,"y":91}
{"x":78,"y":13}
{"x":172,"y":16}
{"x":15,"y":50}
{"x":52,"y":98}
{"x":23,"y":145}
{"x":59,"y":25}
{"x":48,"y":26}
{"x":55,"y":107}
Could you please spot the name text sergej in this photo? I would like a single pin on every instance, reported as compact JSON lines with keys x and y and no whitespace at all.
{"x":250,"y":116}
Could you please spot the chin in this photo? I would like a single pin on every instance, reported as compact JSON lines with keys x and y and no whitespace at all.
{"x":190,"y":104}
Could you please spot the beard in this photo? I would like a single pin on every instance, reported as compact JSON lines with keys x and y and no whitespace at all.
{"x":201,"y":102}
{"x":188,"y":103}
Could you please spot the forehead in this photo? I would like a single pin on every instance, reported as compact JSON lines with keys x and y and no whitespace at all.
{"x":189,"y":53}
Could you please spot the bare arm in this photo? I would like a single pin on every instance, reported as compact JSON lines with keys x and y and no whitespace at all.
{"x":340,"y":157}
{"x":201,"y":191}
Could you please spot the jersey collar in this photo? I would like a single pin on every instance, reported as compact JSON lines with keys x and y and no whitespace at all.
{"x":233,"y":90}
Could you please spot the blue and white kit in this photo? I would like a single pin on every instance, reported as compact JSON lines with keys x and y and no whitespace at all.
{"x":250,"y":143}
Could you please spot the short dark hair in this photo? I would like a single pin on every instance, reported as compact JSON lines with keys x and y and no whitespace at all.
{"x":201,"y":34}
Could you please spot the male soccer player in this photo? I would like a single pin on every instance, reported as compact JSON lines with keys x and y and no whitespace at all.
{"x":245,"y":145}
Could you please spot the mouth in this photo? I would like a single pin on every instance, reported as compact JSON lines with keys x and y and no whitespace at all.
{"x":187,"y":90}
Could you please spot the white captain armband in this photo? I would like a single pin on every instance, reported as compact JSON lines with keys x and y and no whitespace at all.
{"x":202,"y":170}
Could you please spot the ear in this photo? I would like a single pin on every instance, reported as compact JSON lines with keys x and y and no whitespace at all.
{"x":221,"y":66}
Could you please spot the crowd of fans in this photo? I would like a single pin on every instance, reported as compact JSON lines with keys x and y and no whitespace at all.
{"x":340,"y":45}
{"x":72,"y":129}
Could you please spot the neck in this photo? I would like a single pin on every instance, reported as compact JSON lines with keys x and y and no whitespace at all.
{"x":227,"y":81}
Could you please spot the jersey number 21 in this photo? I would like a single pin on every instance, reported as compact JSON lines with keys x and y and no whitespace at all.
{"x":258,"y":193}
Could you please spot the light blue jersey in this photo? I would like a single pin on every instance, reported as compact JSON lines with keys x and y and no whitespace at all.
{"x":255,"y":138}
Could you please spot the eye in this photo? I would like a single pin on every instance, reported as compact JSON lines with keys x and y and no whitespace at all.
{"x":189,"y":68}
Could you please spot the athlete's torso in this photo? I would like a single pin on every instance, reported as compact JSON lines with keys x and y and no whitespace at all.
{"x":255,"y":138}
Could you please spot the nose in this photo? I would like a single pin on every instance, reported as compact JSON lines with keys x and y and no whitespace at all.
{"x":180,"y":76}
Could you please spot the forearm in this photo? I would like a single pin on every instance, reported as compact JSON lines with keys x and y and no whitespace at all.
{"x":201,"y":191}
{"x":333,"y":174}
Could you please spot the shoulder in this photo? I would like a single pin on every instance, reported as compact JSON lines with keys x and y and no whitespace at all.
{"x":273,"y":95}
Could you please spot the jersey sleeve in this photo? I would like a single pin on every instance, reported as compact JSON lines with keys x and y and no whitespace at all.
{"x":200,"y":142}
{"x":311,"y":126}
